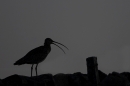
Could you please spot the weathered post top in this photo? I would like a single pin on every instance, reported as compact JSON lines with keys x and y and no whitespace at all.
{"x":92,"y":69}
{"x":92,"y":61}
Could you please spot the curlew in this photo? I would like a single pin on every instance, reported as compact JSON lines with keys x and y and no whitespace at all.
{"x":37,"y":55}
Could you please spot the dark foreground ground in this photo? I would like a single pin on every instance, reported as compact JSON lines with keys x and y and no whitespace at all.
{"x":75,"y":79}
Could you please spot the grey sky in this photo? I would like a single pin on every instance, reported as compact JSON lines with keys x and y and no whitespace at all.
{"x":87,"y":27}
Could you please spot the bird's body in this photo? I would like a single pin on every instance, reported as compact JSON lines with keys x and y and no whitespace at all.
{"x":34,"y":56}
{"x":37,"y":55}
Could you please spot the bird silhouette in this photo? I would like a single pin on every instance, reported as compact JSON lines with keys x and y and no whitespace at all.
{"x":37,"y":55}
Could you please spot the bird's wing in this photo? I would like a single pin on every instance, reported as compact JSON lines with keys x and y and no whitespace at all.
{"x":29,"y":56}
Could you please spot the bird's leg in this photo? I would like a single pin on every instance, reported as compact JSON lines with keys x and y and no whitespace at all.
{"x":31,"y":70}
{"x":36,"y":69}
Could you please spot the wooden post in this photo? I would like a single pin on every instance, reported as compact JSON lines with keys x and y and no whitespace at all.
{"x":92,"y":69}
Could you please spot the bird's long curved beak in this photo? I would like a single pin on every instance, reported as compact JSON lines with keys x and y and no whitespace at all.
{"x":59,"y":46}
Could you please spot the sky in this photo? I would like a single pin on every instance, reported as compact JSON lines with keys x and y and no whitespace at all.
{"x":87,"y":27}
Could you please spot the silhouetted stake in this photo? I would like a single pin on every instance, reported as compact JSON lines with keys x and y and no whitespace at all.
{"x":37,"y":55}
{"x":92,"y":68}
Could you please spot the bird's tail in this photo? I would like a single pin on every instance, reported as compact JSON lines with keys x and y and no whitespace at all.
{"x":15,"y":63}
{"x":18,"y":63}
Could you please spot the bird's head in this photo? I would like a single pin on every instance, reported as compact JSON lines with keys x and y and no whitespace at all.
{"x":49,"y":41}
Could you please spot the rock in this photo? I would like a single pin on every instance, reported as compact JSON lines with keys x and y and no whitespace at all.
{"x":78,"y":79}
{"x":46,"y":79}
{"x":19,"y":80}
{"x":115,"y":79}
{"x":1,"y":83}
{"x":102,"y":75}
{"x":61,"y":79}
{"x":126,"y":74}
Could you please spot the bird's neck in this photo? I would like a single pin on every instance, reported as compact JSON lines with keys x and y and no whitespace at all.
{"x":46,"y":44}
